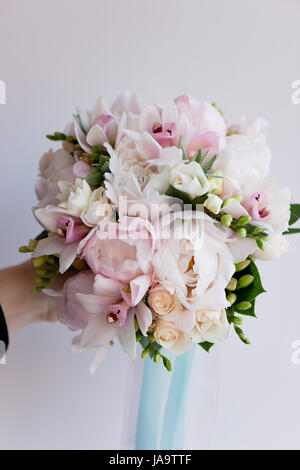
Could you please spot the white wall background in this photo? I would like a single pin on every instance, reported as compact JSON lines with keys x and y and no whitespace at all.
{"x":55,"y":55}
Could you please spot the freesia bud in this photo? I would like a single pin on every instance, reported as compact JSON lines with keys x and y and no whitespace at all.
{"x":242,"y":233}
{"x":242,"y":265}
{"x":231,"y":298}
{"x":244,"y":220}
{"x":213,"y":203}
{"x":243,"y":305}
{"x":245,"y":281}
{"x":226,"y":219}
{"x":232,"y":284}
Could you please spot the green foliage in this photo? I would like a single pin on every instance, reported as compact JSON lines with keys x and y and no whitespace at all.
{"x":206,"y":345}
{"x":100,"y":161}
{"x":181,"y":146}
{"x":173,"y":192}
{"x":248,"y":288}
{"x":59,"y":136}
{"x":208,"y":165}
{"x":294,"y":217}
{"x":47,"y":268}
{"x":152,"y":350}
{"x":295,"y":214}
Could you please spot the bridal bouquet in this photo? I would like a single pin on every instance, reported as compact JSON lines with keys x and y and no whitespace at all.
{"x":154,"y":218}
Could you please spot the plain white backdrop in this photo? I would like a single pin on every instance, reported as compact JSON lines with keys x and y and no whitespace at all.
{"x":56,"y":55}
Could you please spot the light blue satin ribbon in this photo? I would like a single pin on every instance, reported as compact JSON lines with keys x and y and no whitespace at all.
{"x":150,"y":434}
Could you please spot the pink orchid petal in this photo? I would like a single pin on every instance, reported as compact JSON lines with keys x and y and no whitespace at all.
{"x":98,"y":359}
{"x":96,"y":136}
{"x":139,"y":287}
{"x":144,"y":317}
{"x":67,"y":256}
{"x":98,"y":333}
{"x":49,"y":246}
{"x":127,"y":336}
{"x":103,"y":119}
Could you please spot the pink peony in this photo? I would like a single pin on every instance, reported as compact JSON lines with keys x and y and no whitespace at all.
{"x":121,"y":251}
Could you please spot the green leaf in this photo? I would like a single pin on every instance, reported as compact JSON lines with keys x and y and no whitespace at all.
{"x":95,"y":179}
{"x":181,"y":146}
{"x":290,"y":231}
{"x":220,"y":226}
{"x":209,"y":164}
{"x":173,"y":192}
{"x":206,"y":345}
{"x":249,"y":294}
{"x":295,"y":214}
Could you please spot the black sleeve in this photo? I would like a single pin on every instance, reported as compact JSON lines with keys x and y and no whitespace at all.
{"x":3,"y":334}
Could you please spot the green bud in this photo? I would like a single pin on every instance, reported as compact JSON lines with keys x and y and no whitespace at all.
{"x":243,"y":305}
{"x":245,"y":281}
{"x":32,"y":244}
{"x":167,"y":363}
{"x":231,"y":298}
{"x":43,"y":272}
{"x":151,"y":339}
{"x":242,"y":265}
{"x":38,"y":289}
{"x":226,"y":219}
{"x":238,"y":321}
{"x":38,"y":262}
{"x":242,"y":232}
{"x":260,"y":244}
{"x":232,"y":284}
{"x":244,"y":220}
{"x":157,"y":357}
{"x":146,"y":352}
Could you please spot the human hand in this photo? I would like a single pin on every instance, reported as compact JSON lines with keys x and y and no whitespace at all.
{"x":22,"y":307}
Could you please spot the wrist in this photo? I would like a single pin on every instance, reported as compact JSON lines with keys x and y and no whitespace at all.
{"x":16,"y":284}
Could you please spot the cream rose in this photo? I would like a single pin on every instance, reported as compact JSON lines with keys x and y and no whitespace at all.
{"x":210,"y":325}
{"x":171,"y":338}
{"x":190,"y":179}
{"x":163,"y":302}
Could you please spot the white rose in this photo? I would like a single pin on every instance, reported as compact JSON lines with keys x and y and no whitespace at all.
{"x":213,"y":203}
{"x":98,"y":209}
{"x":171,"y":338}
{"x":211,"y":325}
{"x":190,"y":179}
{"x":74,"y":198}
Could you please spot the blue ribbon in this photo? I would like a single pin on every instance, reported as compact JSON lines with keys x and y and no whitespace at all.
{"x":154,"y":387}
